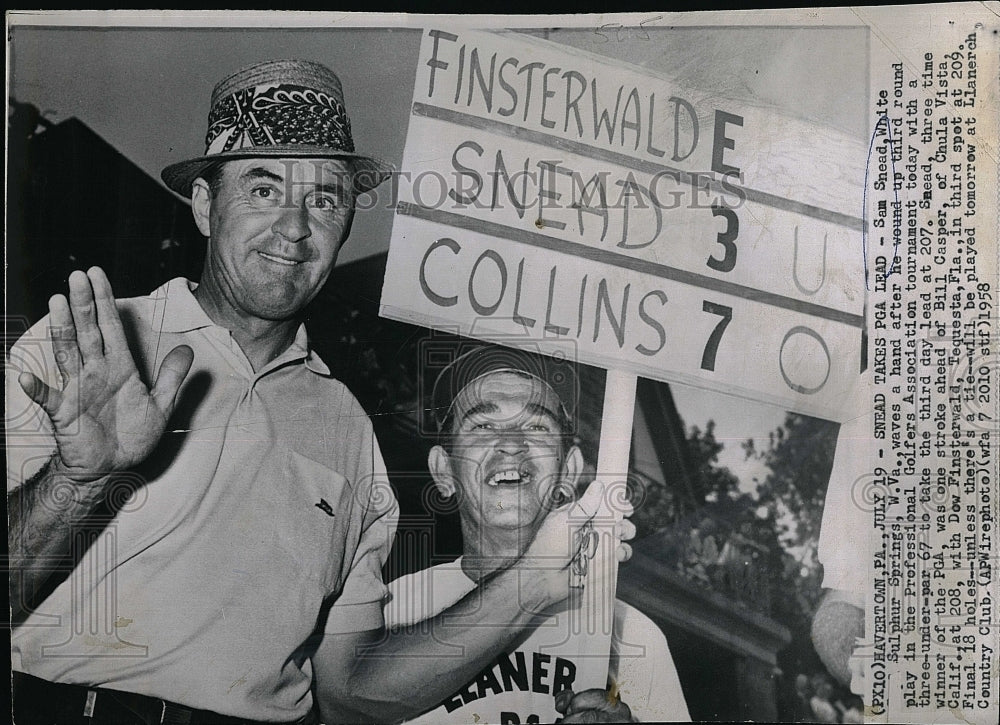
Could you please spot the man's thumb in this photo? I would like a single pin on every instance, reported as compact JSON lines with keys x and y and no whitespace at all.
{"x":173,"y":370}
{"x":39,"y":392}
{"x":563,"y":699}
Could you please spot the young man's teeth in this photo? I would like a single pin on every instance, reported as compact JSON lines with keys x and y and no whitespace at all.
{"x":506,"y":477}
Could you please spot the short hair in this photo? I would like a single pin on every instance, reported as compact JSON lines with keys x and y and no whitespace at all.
{"x":212,"y":174}
{"x":559,"y":375}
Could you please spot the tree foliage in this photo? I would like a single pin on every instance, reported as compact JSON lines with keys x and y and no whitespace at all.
{"x":780,"y":515}
{"x":798,"y":458}
{"x":716,"y":482}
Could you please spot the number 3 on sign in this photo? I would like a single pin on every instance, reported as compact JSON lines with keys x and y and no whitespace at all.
{"x":727,"y":239}
{"x":712,"y":346}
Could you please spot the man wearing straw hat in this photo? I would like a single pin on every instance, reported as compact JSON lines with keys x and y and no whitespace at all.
{"x":199,"y":513}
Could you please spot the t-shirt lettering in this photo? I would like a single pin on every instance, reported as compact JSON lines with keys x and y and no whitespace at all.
{"x":510,"y":673}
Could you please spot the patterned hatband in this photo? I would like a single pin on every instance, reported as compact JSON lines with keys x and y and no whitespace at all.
{"x":283,"y":108}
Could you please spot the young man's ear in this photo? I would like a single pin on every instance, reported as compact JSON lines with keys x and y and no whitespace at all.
{"x":439,"y":463}
{"x":572,"y":467}
{"x":201,"y":205}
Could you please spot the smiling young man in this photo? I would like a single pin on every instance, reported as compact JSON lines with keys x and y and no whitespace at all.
{"x":506,"y":449}
{"x":508,"y":458}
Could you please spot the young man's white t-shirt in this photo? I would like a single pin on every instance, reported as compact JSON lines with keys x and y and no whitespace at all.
{"x":520,"y":685}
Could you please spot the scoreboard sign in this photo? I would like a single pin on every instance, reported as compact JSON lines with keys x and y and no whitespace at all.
{"x":548,"y":195}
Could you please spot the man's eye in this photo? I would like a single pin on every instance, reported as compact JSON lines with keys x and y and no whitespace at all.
{"x":539,"y":428}
{"x":325,"y":202}
{"x":483,"y":426}
{"x":263,"y":192}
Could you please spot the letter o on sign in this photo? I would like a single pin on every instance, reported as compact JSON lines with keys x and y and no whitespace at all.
{"x":477,"y":305}
{"x":799,"y":352}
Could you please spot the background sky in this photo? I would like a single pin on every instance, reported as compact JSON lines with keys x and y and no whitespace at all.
{"x":146,"y":91}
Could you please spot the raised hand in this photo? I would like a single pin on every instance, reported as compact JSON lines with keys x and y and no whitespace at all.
{"x":561,"y":550}
{"x":104,"y":417}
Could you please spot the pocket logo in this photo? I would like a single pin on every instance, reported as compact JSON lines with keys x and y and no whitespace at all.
{"x":325,"y":507}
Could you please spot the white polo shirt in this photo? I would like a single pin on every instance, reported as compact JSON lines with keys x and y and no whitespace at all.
{"x":266,"y":498}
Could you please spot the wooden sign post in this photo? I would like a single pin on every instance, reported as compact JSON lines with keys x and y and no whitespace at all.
{"x":595,"y":618}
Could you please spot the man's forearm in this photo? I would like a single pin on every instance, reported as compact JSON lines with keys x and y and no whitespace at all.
{"x":43,"y":514}
{"x":410,"y":670}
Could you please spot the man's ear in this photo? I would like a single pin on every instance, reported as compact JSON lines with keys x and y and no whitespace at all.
{"x":349,"y":224}
{"x":201,"y":206}
{"x":573,"y":467}
{"x":439,"y":463}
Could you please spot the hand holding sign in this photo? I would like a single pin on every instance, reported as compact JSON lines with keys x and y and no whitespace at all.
{"x":566,"y":544}
{"x":592,"y":706}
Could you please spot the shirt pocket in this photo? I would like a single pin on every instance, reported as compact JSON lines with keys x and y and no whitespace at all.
{"x":308,"y":507}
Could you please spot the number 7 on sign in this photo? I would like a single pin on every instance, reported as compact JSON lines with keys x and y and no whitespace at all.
{"x":712,"y":346}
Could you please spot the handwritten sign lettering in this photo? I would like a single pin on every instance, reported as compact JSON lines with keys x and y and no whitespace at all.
{"x":551,"y":194}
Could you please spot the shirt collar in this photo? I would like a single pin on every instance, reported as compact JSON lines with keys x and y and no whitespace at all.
{"x":177,"y":310}
{"x":302,"y":351}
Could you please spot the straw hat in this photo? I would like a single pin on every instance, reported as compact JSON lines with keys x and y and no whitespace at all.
{"x":280,"y":108}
